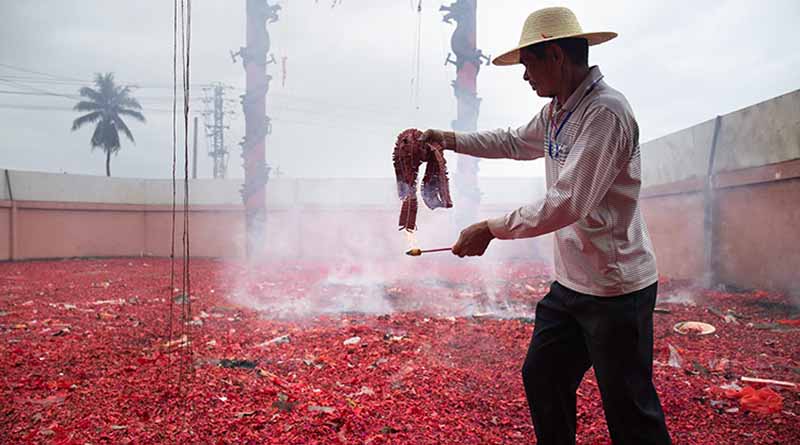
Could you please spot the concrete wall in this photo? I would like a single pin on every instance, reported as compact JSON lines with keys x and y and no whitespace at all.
{"x":751,"y":199}
{"x":6,"y":233}
{"x":677,"y":157}
{"x":214,"y":231}
{"x":36,"y":186}
{"x":763,"y":134}
{"x":47,"y":232}
{"x":4,"y":182}
{"x":56,"y":215}
{"x":758,"y":245}
{"x":675,"y":223}
{"x":281,"y":193}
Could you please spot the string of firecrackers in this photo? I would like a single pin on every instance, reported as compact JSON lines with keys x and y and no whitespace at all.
{"x":408,"y":156}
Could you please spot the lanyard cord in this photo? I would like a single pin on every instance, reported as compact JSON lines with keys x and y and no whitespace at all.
{"x":552,"y":123}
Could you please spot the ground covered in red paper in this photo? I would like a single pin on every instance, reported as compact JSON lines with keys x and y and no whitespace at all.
{"x":300,"y":353}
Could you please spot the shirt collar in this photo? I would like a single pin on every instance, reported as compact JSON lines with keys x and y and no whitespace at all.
{"x":586,"y":84}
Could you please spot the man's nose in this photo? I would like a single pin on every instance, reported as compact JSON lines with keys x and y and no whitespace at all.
{"x":525,"y":76}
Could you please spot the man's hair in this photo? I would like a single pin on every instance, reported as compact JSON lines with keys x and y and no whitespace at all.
{"x":576,"y":49}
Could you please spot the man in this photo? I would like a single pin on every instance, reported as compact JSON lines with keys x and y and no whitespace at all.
{"x":599,"y":309}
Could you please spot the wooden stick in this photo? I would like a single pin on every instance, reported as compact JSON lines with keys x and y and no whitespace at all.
{"x":443,"y":249}
{"x":769,"y":382}
{"x":418,"y":252}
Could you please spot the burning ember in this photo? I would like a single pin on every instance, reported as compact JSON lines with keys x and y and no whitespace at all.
{"x":85,"y":357}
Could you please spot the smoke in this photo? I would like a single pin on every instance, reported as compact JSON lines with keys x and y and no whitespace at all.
{"x":359,"y":266}
{"x":684,"y":296}
{"x":348,"y":289}
{"x":331,"y":246}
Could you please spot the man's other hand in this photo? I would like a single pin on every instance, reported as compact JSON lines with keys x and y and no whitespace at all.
{"x":473,"y":240}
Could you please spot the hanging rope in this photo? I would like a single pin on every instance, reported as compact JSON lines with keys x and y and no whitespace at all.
{"x":416,"y":83}
{"x":183,"y":344}
{"x":186,"y":302}
{"x":174,"y":161}
{"x":185,"y":338}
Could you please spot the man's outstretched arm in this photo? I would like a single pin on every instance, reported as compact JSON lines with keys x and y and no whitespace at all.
{"x":523,"y":143}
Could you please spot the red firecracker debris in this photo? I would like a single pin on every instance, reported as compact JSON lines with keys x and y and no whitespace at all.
{"x":763,"y":401}
{"x":270,"y":356}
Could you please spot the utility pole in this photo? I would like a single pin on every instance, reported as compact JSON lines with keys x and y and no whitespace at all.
{"x":215,"y":128}
{"x":468,"y":62}
{"x":256,"y":172}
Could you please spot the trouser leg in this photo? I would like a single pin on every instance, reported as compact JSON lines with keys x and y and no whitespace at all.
{"x":619,"y":336}
{"x":556,"y":361}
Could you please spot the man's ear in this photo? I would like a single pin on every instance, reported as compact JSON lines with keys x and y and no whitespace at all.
{"x":555,"y":53}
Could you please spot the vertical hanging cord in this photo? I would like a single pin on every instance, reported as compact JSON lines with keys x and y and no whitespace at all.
{"x":174,"y":161}
{"x":184,"y":345}
{"x":181,"y":320}
{"x":187,"y":252}
{"x":418,"y":57}
{"x":412,"y":65}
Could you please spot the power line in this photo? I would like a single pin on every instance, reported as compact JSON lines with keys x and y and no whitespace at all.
{"x":57,"y":108}
{"x":331,"y":105}
{"x":279,"y":108}
{"x":313,"y":106}
{"x":38,"y":90}
{"x":28,"y":93}
{"x":26,"y":70}
{"x":52,"y":82}
{"x":43,"y":93}
{"x":304,"y":112}
{"x":89,"y":82}
{"x":34,"y":107}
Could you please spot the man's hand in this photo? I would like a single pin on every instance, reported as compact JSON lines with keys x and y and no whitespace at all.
{"x":473,"y":240}
{"x":444,"y":138}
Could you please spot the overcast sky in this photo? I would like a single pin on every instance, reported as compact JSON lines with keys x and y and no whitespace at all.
{"x":349,"y":74}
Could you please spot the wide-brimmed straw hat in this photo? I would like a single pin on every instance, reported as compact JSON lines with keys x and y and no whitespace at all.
{"x":549,"y":24}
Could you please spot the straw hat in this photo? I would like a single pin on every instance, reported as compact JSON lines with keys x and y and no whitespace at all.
{"x":549,"y":24}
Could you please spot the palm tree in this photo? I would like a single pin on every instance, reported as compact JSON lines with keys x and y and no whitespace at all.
{"x":106,"y":105}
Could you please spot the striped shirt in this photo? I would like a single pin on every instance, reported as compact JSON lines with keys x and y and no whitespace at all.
{"x":593,"y":169}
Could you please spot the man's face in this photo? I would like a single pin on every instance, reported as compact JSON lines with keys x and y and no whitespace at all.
{"x":542,"y":74}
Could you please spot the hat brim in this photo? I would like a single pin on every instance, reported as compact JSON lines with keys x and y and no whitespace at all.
{"x":512,"y":57}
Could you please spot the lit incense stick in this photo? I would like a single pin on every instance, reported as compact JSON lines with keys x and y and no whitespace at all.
{"x":418,"y":252}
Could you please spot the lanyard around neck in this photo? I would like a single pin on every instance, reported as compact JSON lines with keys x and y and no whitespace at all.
{"x":552,"y":124}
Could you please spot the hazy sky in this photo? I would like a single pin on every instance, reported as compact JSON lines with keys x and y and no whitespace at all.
{"x":349,"y":74}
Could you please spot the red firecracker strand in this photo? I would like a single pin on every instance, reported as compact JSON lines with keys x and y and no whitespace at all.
{"x":409,"y":154}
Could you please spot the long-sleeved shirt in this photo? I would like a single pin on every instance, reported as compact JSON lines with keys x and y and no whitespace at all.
{"x":593,"y":169}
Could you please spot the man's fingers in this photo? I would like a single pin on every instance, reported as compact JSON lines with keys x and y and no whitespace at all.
{"x":429,"y":136}
{"x":459,"y":245}
{"x":473,"y":241}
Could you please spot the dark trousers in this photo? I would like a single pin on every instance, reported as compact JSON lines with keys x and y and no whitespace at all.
{"x":574,"y":331}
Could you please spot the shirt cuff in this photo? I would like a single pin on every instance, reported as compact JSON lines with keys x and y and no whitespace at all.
{"x":450,"y":140}
{"x":498,"y":228}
